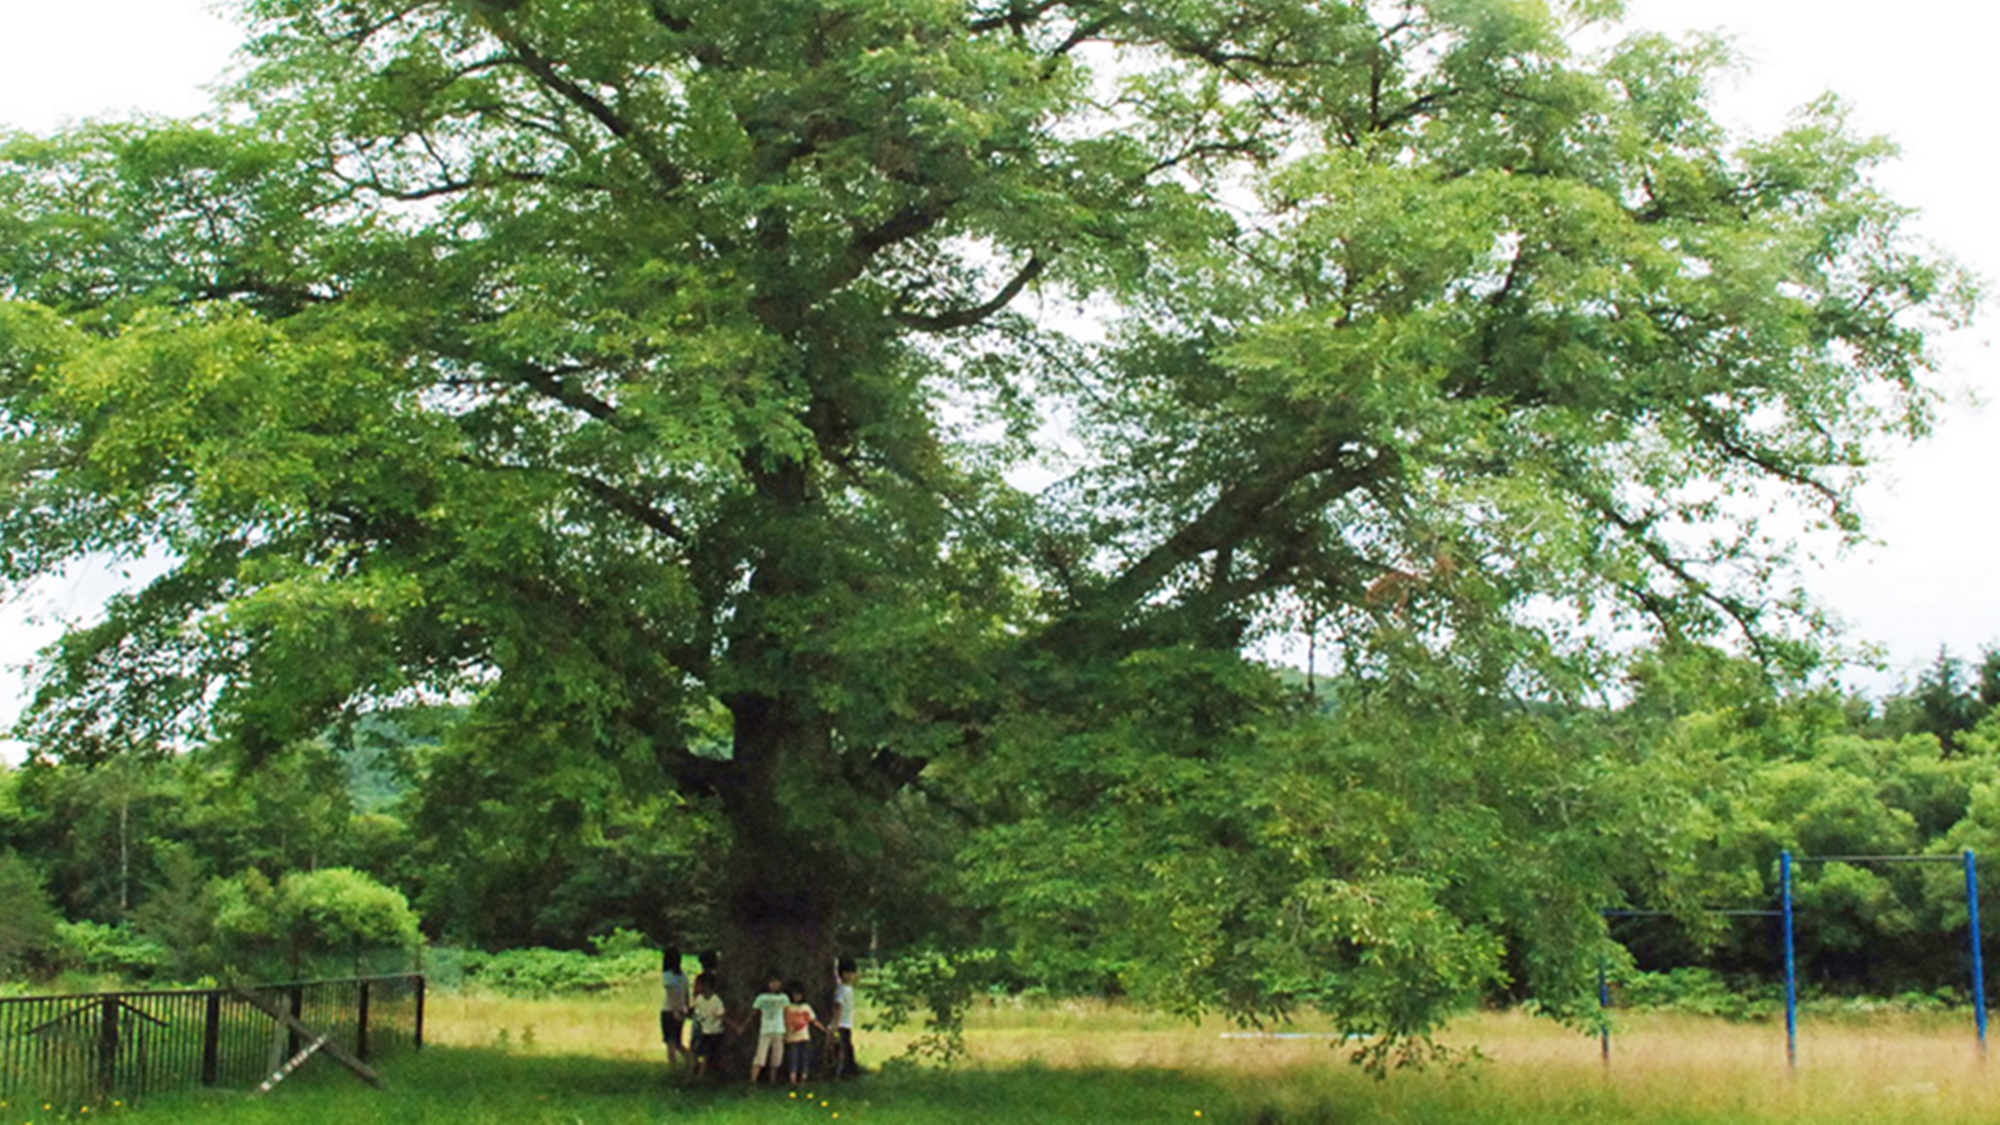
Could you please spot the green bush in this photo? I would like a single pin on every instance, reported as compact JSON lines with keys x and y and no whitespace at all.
{"x":305,"y":921}
{"x":546,"y":972}
{"x":118,"y":950}
{"x":1703,"y":992}
{"x":937,"y":986}
{"x":1861,"y":1009}
{"x":622,"y":942}
{"x":339,"y":907}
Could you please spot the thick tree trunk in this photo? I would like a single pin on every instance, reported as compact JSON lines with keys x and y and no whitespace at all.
{"x":772,"y":926}
{"x":779,"y":895}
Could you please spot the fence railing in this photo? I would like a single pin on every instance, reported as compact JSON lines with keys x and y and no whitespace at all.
{"x":126,"y":1044}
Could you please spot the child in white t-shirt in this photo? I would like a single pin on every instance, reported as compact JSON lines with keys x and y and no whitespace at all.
{"x":841,"y":1038}
{"x":711,"y":1024}
{"x":770,"y":1007}
{"x":674,"y":1008}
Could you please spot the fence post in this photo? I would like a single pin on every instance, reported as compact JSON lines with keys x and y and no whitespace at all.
{"x":361,"y":1024}
{"x":107,"y":1046}
{"x":295,"y":1001}
{"x":211,"y":1040}
{"x":419,"y":1035}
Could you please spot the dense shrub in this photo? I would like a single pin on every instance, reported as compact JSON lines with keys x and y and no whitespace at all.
{"x":121,"y":951}
{"x":1703,"y":992}
{"x":304,"y":919}
{"x":620,"y":959}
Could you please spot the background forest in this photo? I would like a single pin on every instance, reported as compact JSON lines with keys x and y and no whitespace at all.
{"x":1677,"y":798}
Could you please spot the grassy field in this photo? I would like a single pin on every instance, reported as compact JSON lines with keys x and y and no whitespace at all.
{"x":596,"y":1061}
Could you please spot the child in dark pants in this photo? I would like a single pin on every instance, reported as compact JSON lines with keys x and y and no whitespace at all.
{"x":674,"y":1008}
{"x":841,"y":1040}
{"x":711,"y":1026}
{"x":800,"y":1019}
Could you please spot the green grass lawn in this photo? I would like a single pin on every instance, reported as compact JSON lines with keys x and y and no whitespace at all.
{"x":456,"y":1085}
{"x":591,"y":1063}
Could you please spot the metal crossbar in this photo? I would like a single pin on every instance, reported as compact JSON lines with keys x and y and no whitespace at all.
{"x":92,"y":1005}
{"x":1678,"y":913}
{"x":1879,"y":859}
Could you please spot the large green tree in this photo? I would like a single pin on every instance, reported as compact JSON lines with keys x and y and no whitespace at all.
{"x":841,"y":377}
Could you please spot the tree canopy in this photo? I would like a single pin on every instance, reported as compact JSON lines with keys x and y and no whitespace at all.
{"x":792,"y":410}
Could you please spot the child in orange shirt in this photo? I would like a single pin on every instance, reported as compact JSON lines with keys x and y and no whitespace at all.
{"x":800,"y":1019}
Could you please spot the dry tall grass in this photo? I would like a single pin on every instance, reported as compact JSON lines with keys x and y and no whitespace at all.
{"x":1663,"y":1068}
{"x":623,"y":1024}
{"x":1891,"y":1068}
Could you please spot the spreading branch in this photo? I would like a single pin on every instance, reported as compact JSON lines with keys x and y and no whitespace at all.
{"x":966,"y":318}
{"x":534,"y":62}
{"x":1237,"y":511}
{"x":551,"y":384}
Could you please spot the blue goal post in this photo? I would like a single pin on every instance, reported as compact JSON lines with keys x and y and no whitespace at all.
{"x":1604,"y":977}
{"x":1786,"y":913}
{"x":1971,"y":863}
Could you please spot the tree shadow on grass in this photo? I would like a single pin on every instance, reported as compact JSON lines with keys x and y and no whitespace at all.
{"x":1031,"y":1092}
{"x":476,"y":1085}
{"x":1026,"y":1092}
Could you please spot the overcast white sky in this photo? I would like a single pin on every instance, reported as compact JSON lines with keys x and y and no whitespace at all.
{"x":1919,"y":71}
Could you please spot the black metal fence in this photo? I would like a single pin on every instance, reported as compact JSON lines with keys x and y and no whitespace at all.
{"x":90,"y":1047}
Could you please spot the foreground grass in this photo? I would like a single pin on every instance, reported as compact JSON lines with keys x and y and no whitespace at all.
{"x":595,"y":1062}
{"x":460,"y":1085}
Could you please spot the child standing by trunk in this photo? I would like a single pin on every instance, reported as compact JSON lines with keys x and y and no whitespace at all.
{"x":800,"y":1019}
{"x":840,"y":1041}
{"x":770,"y":1007}
{"x":674,"y":1007}
{"x":711,"y":1025}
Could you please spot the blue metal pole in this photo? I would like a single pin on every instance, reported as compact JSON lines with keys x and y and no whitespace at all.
{"x":1978,"y":955}
{"x":1791,"y":966}
{"x":1604,"y":1014}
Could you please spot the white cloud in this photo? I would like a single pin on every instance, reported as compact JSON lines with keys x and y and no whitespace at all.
{"x":62,"y":62}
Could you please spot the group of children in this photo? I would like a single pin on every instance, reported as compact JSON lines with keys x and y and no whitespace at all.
{"x":785,"y":1023}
